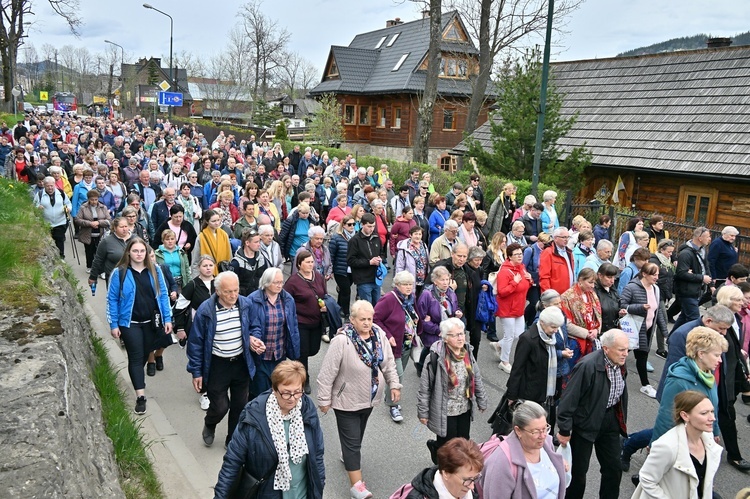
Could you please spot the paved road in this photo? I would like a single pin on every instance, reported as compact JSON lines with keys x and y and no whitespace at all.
{"x":392,"y":453}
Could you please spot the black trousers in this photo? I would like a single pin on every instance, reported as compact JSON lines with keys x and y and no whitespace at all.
{"x":728,"y":427}
{"x":532,"y":296}
{"x":58,"y":235}
{"x":607,"y":445}
{"x":641,"y":358}
{"x":458,"y":426}
{"x":228,"y":387}
{"x":139,"y":341}
{"x":475,"y":336}
{"x":90,"y":250}
{"x":309,"y":343}
{"x":351,"y":426}
{"x":344,"y":283}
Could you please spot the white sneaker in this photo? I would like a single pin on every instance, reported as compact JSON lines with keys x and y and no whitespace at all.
{"x":205,"y":403}
{"x":649,"y":367}
{"x":649,"y":391}
{"x":359,"y":491}
{"x":325,"y":338}
{"x":497,"y":347}
{"x":505,"y":367}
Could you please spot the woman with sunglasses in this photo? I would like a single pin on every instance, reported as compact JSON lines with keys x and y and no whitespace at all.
{"x":280,"y":431}
{"x":530,"y":467}
{"x":338,"y":247}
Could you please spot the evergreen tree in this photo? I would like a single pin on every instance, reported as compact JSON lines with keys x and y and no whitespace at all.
{"x":513,"y":129}
{"x":281,"y":132}
{"x":266,"y":115}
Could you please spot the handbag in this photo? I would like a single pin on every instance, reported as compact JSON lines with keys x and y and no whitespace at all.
{"x":416,"y":348}
{"x":501,"y":420}
{"x":225,"y":266}
{"x":246,"y":486}
{"x":156,"y":320}
{"x":631,"y":325}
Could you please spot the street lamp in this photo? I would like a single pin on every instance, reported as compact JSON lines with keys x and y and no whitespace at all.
{"x":171,"y":32}
{"x":122,"y":57}
{"x":122,"y":61}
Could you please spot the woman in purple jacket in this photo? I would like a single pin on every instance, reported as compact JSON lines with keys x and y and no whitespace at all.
{"x":395,"y":314}
{"x":437,"y":303}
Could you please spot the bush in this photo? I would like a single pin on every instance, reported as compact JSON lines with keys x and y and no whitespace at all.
{"x":281,"y":134}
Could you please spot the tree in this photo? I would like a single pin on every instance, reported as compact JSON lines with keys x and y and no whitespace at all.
{"x":265,"y":115}
{"x":223,"y":94}
{"x":513,"y":129}
{"x":281,"y":132}
{"x":326,"y":127}
{"x":13,"y":24}
{"x":297,"y":75}
{"x":429,"y":96}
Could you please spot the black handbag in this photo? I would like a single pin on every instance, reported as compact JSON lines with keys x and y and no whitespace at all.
{"x":246,"y":486}
{"x":501,"y":420}
{"x":225,"y":266}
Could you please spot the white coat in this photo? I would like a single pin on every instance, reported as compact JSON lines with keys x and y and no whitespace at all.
{"x":669,"y":471}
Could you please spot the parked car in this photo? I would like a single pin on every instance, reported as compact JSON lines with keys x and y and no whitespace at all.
{"x":41,"y":109}
{"x":27,"y":107}
{"x":50,"y":108}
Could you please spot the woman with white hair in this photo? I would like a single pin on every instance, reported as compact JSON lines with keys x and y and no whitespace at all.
{"x":320,"y":252}
{"x":515,"y":235}
{"x":550,"y":222}
{"x":534,"y":376}
{"x":450,"y":388}
{"x":396,"y":315}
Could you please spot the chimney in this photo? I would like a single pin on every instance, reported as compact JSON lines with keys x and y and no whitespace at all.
{"x":426,"y":14}
{"x":715,"y":43}
{"x":393,"y":22}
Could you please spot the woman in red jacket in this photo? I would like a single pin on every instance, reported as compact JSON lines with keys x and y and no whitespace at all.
{"x":513,"y":281}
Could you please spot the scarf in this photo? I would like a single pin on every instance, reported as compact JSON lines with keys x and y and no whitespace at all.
{"x":371,"y":358}
{"x":445,"y":304}
{"x":470,"y":239}
{"x":216,"y":245}
{"x":410,"y":319}
{"x":295,"y":449}
{"x":419,"y":253}
{"x":706,"y":377}
{"x":664,"y":261}
{"x":463,"y":356}
{"x":586,"y":251}
{"x":348,"y":234}
{"x":585,"y":313}
{"x":551,"y":360}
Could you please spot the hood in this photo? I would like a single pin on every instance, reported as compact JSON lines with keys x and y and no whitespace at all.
{"x":507,"y":264}
{"x":422,"y":483}
{"x":685,"y":369}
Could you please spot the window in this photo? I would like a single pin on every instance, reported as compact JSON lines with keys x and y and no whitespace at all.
{"x":288,"y":109}
{"x":381,"y":117}
{"x":393,"y":40}
{"x":698,"y":205}
{"x":452,"y":33}
{"x":334,"y":69}
{"x":364,"y":115}
{"x":400,"y":62}
{"x":449,"y":119}
{"x":396,"y":117}
{"x":448,"y":164}
{"x":381,"y":42}
{"x":349,"y":115}
{"x":453,"y":68}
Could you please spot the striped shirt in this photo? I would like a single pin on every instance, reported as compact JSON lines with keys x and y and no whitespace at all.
{"x":274,"y":334}
{"x":228,"y":337}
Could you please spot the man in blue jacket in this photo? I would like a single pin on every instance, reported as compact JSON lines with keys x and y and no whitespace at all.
{"x":218,"y":354}
{"x":722,"y":253}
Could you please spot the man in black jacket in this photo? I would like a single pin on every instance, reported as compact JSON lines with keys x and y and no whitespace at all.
{"x":532,"y":222}
{"x":692,"y":276}
{"x":363,"y":256}
{"x":593,"y":412}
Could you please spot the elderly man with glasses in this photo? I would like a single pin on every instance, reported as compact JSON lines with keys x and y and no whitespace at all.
{"x":556,"y":264}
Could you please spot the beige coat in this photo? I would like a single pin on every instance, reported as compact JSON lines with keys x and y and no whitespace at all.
{"x":669,"y":471}
{"x":344,"y":381}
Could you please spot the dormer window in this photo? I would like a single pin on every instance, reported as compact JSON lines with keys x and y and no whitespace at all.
{"x":380,"y":43}
{"x":393,"y":40}
{"x":400,"y":62}
{"x":334,"y":69}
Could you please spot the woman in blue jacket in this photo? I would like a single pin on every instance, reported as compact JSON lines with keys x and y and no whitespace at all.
{"x":137,"y":290}
{"x":438,"y":217}
{"x":278,"y":438}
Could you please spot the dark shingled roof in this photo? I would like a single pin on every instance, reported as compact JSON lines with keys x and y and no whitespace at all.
{"x":363,"y":69}
{"x":682,"y":112}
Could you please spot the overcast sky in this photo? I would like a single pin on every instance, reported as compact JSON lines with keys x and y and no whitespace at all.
{"x":600,"y":28}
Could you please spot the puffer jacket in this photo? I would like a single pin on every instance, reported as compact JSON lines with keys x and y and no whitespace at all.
{"x":338,"y":246}
{"x":248,"y":275}
{"x":252,"y":445}
{"x":633,"y":299}
{"x":432,"y":399}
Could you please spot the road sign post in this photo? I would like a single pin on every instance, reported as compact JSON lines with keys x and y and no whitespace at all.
{"x":173,"y":99}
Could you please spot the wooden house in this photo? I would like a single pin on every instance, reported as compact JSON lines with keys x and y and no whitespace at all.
{"x":378,"y":80}
{"x":140,"y":88}
{"x":675,"y":127}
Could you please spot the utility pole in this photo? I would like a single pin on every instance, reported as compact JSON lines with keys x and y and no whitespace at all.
{"x":542,"y":104}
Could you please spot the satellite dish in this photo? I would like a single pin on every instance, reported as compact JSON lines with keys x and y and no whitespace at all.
{"x":16,"y":92}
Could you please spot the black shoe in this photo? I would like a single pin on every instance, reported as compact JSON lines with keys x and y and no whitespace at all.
{"x":662,"y":354}
{"x":746,"y":399}
{"x":625,"y":463}
{"x":741,"y":465}
{"x":636,"y":479}
{"x":432,"y":446}
{"x":208,"y":436}
{"x":418,"y":367}
{"x":159,"y":363}
{"x":140,"y":405}
{"x":492,"y":337}
{"x":308,"y":390}
{"x":151,"y":369}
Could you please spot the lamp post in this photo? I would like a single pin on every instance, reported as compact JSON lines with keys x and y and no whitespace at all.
{"x":542,"y":102}
{"x":122,"y":61}
{"x":171,"y":33}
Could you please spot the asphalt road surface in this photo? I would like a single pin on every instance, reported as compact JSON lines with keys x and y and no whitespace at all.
{"x":392,"y":453}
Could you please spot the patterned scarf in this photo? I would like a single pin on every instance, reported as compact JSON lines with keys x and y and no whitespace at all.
{"x":371,"y":358}
{"x":410,"y":322}
{"x":551,"y":360}
{"x":586,"y":313}
{"x":419,"y":253}
{"x":463,"y":356}
{"x":665,"y":261}
{"x":296,"y":449}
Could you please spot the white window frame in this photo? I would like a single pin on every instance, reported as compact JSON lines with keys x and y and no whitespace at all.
{"x":393,"y":40}
{"x":400,"y":62}
{"x":380,"y":43}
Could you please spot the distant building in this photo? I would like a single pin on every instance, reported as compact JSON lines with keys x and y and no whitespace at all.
{"x":380,"y":76}
{"x":220,"y":100}
{"x":298,"y":112}
{"x":140,"y":87}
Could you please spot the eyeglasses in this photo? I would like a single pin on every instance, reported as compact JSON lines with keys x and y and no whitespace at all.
{"x":467,"y":482}
{"x":538,"y":433}
{"x":455,"y":335}
{"x":290,"y":395}
{"x":562,"y":237}
{"x":350,"y":224}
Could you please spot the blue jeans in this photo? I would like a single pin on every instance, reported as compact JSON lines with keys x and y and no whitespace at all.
{"x":369,"y":291}
{"x":262,"y":379}
{"x":635,"y":442}
{"x":690,"y":311}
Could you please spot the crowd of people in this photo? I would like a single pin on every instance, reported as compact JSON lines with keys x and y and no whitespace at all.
{"x":233,"y":249}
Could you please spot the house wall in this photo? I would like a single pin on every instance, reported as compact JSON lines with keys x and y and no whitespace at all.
{"x":726,"y":203}
{"x":391,"y":152}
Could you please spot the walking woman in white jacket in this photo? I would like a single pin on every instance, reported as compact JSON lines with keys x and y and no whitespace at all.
{"x":682,"y":462}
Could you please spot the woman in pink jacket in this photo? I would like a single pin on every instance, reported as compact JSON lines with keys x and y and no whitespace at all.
{"x":513,"y":281}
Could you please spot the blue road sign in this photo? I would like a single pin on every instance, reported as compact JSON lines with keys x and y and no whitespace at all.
{"x":170,"y":99}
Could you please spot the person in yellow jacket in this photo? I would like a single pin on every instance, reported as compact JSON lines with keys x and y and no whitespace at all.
{"x":656,"y":232}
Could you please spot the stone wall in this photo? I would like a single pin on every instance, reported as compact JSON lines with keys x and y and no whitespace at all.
{"x":394,"y":153}
{"x":51,"y":428}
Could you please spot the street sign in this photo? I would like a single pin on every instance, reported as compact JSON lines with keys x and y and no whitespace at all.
{"x":170,"y":99}
{"x":164,"y":85}
{"x":163,"y":109}
{"x":43,"y":96}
